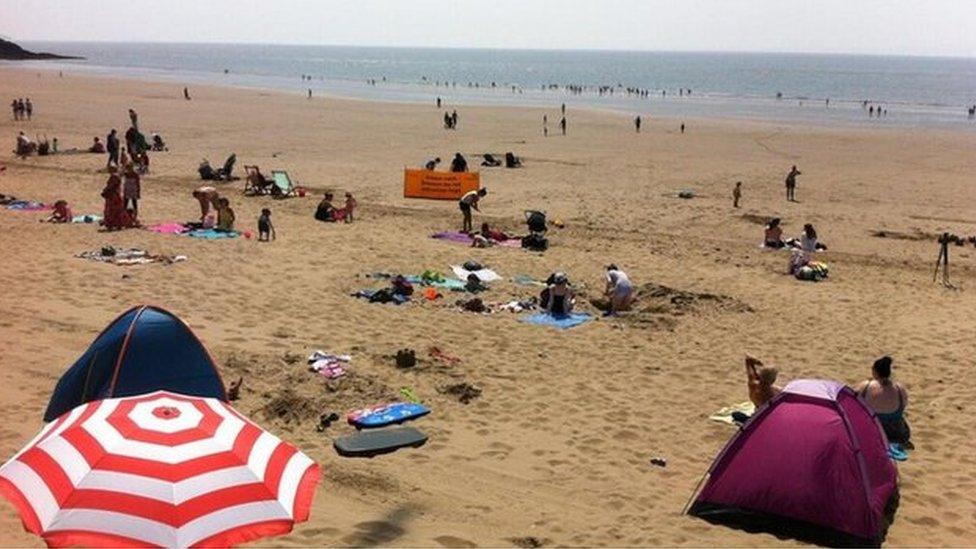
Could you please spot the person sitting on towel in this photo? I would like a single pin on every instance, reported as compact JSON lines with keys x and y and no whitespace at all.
{"x":774,"y":234}
{"x":61,"y":213}
{"x":559,"y":296}
{"x":431,"y":165}
{"x":459,"y":164}
{"x":761,"y":380}
{"x":158,"y":144}
{"x":512,"y":161}
{"x":888,"y":399}
{"x":225,"y":216}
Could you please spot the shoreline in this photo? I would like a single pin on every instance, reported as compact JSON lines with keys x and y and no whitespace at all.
{"x":751,"y":109}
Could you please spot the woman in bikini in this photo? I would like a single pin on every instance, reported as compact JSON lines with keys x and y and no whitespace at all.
{"x":888,"y":399}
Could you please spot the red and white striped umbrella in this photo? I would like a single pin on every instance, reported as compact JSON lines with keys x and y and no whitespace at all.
{"x":161,"y":469}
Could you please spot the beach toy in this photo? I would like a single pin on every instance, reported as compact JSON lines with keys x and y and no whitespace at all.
{"x":247,"y":235}
{"x":374,"y":443}
{"x":386,"y":414}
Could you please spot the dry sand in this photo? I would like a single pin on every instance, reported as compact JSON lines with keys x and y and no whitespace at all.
{"x":557,"y":447}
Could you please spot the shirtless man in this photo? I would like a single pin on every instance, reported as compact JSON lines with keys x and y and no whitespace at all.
{"x":761,"y":380}
{"x":207,"y":197}
{"x":791,"y":184}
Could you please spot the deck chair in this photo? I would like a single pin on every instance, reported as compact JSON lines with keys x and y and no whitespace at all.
{"x":226,"y":173}
{"x":255,"y":183}
{"x":282,"y":185}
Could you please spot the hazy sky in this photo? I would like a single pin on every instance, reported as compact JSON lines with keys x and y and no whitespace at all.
{"x":911,"y":27}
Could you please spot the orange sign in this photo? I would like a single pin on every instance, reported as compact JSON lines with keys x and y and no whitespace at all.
{"x":438,"y":185}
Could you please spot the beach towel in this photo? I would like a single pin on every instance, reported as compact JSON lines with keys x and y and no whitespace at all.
{"x":28,"y":206}
{"x":170,"y":227}
{"x":212,"y":234}
{"x":526,"y":280}
{"x":90,"y":218}
{"x":484,"y":275}
{"x":132,"y":256}
{"x":562,"y":322}
{"x":399,"y":299}
{"x":464,"y":238}
{"x":445,"y":284}
{"x":897,"y":452}
{"x":724,"y":415}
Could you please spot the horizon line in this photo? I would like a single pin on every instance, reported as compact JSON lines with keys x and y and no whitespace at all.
{"x":497,"y":48}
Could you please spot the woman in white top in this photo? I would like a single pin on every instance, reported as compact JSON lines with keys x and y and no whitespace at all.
{"x":619,"y":290}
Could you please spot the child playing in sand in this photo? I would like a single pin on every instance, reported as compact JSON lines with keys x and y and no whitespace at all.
{"x":736,"y":194}
{"x":265,"y":228}
{"x":225,"y":216}
{"x":61,"y":214}
{"x":351,"y":205}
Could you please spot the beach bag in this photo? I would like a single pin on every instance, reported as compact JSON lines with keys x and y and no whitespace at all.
{"x":535,"y":242}
{"x":536,"y":221}
{"x":472,"y":266}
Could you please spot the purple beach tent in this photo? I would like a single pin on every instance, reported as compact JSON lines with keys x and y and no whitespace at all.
{"x":812,"y":464}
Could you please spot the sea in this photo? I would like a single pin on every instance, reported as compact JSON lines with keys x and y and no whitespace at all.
{"x":806,"y":88}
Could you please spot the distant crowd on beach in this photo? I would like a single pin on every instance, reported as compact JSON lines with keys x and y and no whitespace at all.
{"x":22,"y":109}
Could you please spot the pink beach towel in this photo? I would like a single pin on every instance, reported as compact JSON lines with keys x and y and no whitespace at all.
{"x":171,"y":227}
{"x":462,"y":238}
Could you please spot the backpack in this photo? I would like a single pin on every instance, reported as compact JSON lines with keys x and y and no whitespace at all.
{"x":535,"y":242}
{"x":536,"y":221}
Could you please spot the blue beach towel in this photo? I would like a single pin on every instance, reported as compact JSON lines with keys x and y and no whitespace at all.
{"x":212,"y":234}
{"x":897,"y":452}
{"x":563,"y":322}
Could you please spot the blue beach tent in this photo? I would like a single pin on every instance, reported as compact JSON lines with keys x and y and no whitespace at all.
{"x":144,"y":350}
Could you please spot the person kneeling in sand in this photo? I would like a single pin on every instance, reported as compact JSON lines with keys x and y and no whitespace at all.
{"x":888,"y":399}
{"x":325,"y":211}
{"x":558,"y":298}
{"x":619,"y":290}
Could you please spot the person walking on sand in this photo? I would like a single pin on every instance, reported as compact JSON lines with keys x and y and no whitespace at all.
{"x":15,"y":109}
{"x":266,"y":230}
{"x":28,"y":108}
{"x":682,"y":127}
{"x":562,"y":125}
{"x":454,"y":119}
{"x":186,"y":93}
{"x":468,"y":201}
{"x":564,"y":109}
{"x":131,"y":190}
{"x":791,"y":184}
{"x":112,"y":146}
{"x":736,"y":194}
{"x":545,"y":125}
{"x":637,"y":123}
{"x":134,"y":118}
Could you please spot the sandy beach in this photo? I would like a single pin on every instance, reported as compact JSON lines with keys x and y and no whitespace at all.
{"x":556,"y":449}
